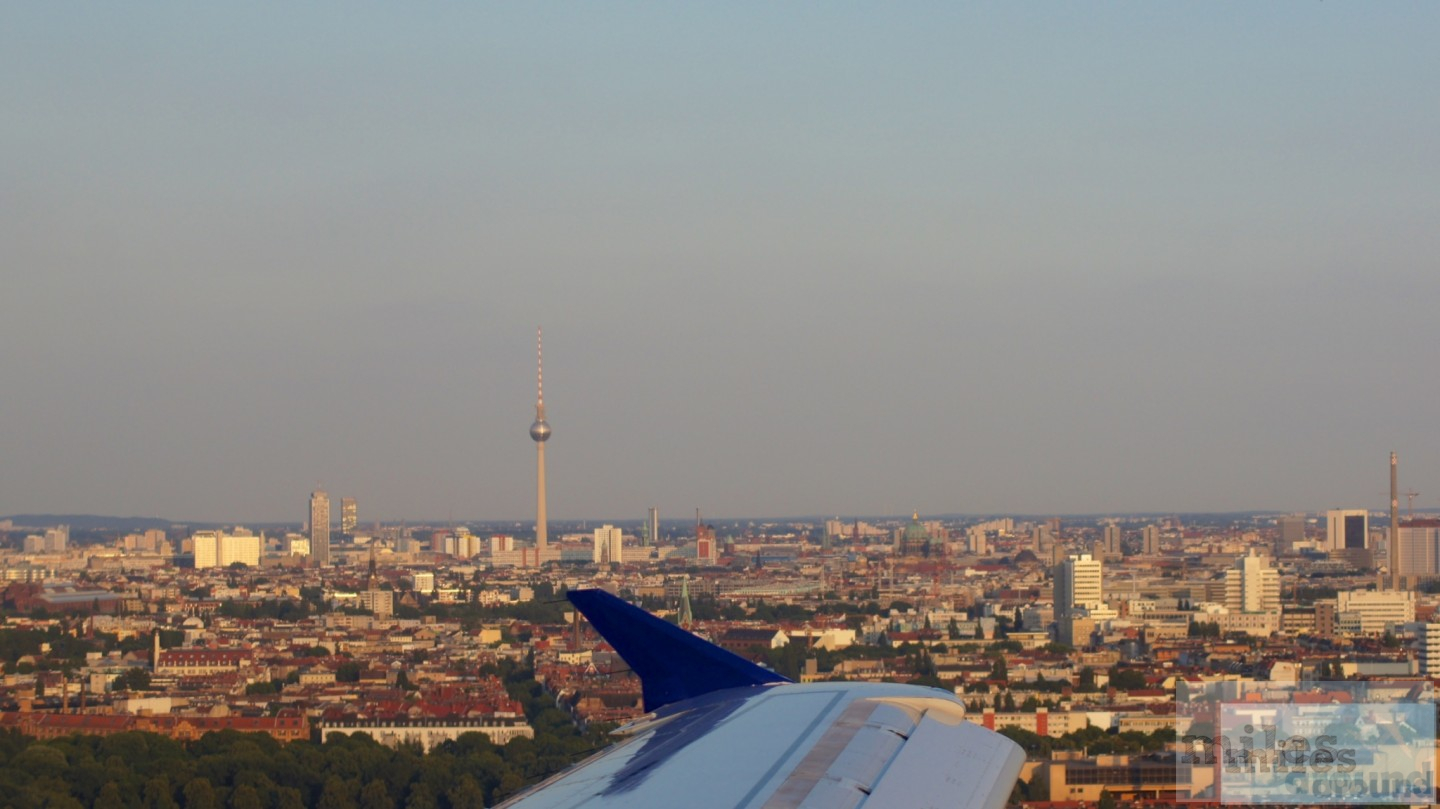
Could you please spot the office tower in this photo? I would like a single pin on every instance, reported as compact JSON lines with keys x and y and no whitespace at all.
{"x":978,"y":539}
{"x":1111,"y":539}
{"x":1077,"y":585}
{"x":469,"y":545}
{"x":1291,"y":531}
{"x":207,"y":549}
{"x":540,"y":433}
{"x":705,"y":553}
{"x":1416,"y":555}
{"x":1430,"y":650}
{"x":652,"y":530}
{"x":242,"y":546}
{"x":296,"y":545}
{"x":1042,"y":540}
{"x":1097,"y":549}
{"x":608,"y":545}
{"x":219,"y":549}
{"x":1347,"y":528}
{"x":55,"y":540}
{"x":1394,"y":534}
{"x":1371,"y":612}
{"x":1150,"y":540}
{"x":347,"y":515}
{"x":320,"y":528}
{"x":380,"y":602}
{"x":1252,"y":585}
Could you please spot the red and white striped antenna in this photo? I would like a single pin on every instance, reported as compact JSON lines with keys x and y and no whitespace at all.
{"x":540,"y":430}
{"x":540,"y":373}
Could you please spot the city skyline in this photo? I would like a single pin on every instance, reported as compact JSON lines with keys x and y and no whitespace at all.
{"x":991,"y":260}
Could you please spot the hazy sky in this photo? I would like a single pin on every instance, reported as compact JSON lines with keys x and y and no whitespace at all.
{"x":789,"y":258}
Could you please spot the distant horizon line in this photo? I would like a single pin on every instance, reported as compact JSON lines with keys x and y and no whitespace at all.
{"x":41,"y":520}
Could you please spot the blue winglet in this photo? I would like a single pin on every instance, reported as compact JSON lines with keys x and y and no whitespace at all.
{"x":672,"y":664}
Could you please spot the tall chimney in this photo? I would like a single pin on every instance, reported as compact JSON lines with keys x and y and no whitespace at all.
{"x":1393,"y":553}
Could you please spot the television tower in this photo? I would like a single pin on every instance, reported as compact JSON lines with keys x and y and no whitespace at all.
{"x":539,"y":433}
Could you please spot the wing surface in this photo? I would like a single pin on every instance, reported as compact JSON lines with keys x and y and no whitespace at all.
{"x":778,"y":746}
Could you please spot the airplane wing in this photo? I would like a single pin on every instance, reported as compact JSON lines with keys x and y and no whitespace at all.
{"x":725,"y":732}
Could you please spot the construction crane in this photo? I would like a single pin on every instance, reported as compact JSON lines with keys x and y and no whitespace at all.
{"x":1410,"y":503}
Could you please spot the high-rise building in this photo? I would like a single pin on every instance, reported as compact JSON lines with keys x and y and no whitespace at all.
{"x":608,"y":545}
{"x":54,"y":540}
{"x":1042,"y":540}
{"x":1416,"y":555}
{"x":705,"y":551}
{"x":1077,"y":585}
{"x":348,"y":515}
{"x":1291,"y":530}
{"x":207,"y":549}
{"x":379,"y":602}
{"x":1252,"y":585}
{"x":1347,"y":528}
{"x":219,"y":549}
{"x":978,"y":539}
{"x":1111,"y":538}
{"x":652,"y":527}
{"x":320,"y":528}
{"x":1150,"y":540}
{"x":1430,"y":650}
{"x":1371,"y":612}
{"x":540,"y":433}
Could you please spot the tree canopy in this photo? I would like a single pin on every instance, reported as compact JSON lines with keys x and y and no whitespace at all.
{"x":230,"y":769}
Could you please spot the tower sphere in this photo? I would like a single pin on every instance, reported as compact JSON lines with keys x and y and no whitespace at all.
{"x":540,"y":430}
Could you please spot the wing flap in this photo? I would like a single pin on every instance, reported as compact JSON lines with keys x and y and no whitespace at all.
{"x":949,"y":764}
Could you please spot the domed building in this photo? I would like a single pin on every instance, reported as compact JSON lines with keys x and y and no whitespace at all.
{"x":914,"y":541}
